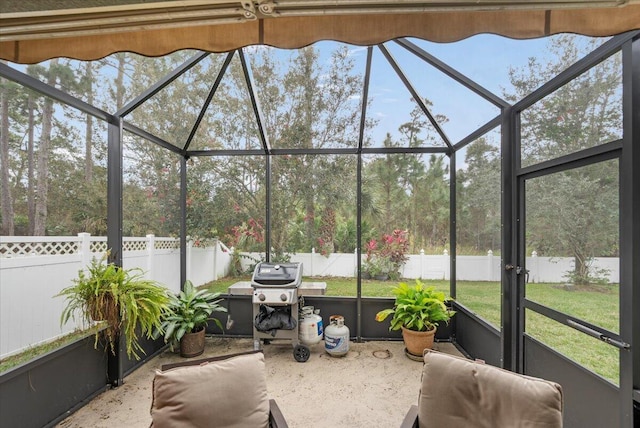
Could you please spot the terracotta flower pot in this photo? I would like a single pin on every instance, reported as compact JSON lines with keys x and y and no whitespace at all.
{"x":417,"y":341}
{"x":192,"y":344}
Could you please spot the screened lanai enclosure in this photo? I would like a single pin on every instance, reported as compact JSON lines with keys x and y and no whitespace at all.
{"x":375,"y":142}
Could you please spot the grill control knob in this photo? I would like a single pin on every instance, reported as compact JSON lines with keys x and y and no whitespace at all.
{"x":262,"y":297}
{"x":283,"y":297}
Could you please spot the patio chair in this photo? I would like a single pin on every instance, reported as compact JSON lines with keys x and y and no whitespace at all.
{"x":457,"y":392}
{"x":226,"y":391}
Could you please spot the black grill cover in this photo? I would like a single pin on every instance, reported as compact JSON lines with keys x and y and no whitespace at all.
{"x":270,"y":319}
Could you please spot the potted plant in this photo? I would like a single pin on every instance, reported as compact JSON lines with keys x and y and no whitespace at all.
{"x":379,"y":267}
{"x":122,"y":298}
{"x":187,"y":317}
{"x":417,"y":311}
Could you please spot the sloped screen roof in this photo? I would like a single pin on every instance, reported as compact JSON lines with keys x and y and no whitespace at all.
{"x":32,"y":31}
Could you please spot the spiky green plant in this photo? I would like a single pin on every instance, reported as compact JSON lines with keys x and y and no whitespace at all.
{"x":417,"y":308}
{"x":122,"y":298}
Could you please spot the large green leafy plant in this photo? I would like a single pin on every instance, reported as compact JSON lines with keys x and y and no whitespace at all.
{"x":417,"y":308}
{"x":122,"y":298}
{"x":189,"y":311}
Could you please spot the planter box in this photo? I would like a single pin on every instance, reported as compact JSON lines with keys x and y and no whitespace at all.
{"x":44,"y":391}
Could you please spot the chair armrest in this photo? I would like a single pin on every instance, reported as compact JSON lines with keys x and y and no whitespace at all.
{"x":276,"y":418}
{"x":411,"y":418}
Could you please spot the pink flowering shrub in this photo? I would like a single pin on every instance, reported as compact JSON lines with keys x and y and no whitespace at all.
{"x":386,"y":257}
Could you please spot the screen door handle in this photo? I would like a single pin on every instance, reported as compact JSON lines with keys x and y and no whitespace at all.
{"x":603,"y":337}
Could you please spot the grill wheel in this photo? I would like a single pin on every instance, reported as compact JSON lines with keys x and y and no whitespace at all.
{"x":301,"y":353}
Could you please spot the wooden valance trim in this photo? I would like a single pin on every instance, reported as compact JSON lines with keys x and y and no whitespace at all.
{"x":295,"y":32}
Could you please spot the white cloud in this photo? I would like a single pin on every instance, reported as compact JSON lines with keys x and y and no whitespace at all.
{"x":357,"y":50}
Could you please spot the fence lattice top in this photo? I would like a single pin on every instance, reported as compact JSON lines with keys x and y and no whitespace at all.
{"x":54,"y":248}
{"x":24,"y":246}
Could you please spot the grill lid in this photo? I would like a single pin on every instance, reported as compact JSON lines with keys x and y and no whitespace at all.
{"x":280,"y":275}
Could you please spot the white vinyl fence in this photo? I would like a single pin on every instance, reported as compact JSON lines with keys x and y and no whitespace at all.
{"x":468,"y":268}
{"x":34,"y":269}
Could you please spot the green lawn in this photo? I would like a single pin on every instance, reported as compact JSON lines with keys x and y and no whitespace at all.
{"x":336,"y":286}
{"x":598,"y":306}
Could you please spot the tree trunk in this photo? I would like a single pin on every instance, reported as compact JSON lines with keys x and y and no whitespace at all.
{"x":88,"y":136}
{"x":31,"y":200}
{"x":310,"y":211}
{"x":582,"y":274}
{"x":119,"y":80}
{"x":5,"y":188}
{"x":308,"y":86}
{"x":42,"y":187}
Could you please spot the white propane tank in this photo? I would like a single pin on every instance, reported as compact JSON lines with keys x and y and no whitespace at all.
{"x":336,"y":337}
{"x":310,"y":327}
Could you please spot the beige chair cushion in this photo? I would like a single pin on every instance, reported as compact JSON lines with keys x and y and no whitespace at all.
{"x":228,"y":393}
{"x":457,"y":392}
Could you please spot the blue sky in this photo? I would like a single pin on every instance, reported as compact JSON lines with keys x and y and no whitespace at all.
{"x":483,"y":58}
{"x":486,"y":59}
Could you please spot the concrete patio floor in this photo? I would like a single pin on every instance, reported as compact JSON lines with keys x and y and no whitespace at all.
{"x":372,"y":386}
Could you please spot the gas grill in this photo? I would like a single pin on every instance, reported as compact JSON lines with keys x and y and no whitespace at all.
{"x":275,"y":305}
